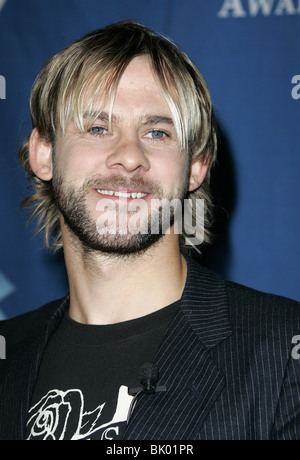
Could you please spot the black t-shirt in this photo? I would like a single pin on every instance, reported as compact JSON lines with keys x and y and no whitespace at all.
{"x":82,"y":387}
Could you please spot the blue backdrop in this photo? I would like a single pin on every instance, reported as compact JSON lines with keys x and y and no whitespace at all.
{"x":249,"y":53}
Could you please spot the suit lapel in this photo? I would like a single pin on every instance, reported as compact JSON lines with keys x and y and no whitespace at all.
{"x":192,"y":379}
{"x":204,"y":303}
{"x":17,"y":387}
{"x":15,"y":390}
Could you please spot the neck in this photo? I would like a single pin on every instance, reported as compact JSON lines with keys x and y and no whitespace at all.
{"x":107,"y":289}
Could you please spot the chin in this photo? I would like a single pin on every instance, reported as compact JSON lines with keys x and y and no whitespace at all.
{"x":120,"y":245}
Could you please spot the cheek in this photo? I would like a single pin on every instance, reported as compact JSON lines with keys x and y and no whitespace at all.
{"x":80,"y":162}
{"x":171,"y":171}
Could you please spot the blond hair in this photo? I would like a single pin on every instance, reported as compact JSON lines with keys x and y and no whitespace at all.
{"x":94,"y":65}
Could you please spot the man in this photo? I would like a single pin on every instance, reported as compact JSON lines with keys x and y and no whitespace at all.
{"x":148,"y":344}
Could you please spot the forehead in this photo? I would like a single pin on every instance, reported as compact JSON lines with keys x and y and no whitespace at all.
{"x":139,"y":89}
{"x":138,"y":92}
{"x":139,"y":74}
{"x":140,"y":85}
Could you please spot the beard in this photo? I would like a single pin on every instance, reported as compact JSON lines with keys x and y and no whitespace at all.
{"x":72,"y":204}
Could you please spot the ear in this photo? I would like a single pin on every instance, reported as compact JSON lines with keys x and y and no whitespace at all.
{"x":197,"y":175}
{"x":40,"y":156}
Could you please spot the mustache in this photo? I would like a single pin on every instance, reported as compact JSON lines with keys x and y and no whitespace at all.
{"x":116,"y":182}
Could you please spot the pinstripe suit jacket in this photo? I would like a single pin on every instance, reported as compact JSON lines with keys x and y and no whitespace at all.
{"x":228,"y":360}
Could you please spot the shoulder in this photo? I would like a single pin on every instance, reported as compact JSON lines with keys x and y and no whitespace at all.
{"x":262,"y":310}
{"x":245,"y":308}
{"x":204,"y":280}
{"x":248,"y":296}
{"x":19,"y":328}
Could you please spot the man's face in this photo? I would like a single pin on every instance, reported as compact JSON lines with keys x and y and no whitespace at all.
{"x":100,"y":177}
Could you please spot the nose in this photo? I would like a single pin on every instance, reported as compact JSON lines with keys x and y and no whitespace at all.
{"x":128,"y":155}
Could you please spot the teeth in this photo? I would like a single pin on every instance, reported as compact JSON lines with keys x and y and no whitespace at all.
{"x":122,"y":194}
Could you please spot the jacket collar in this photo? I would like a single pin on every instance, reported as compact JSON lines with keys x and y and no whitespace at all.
{"x":192,"y":379}
{"x":204,"y":303}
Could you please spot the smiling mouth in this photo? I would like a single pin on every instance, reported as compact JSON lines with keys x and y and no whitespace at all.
{"x":122,"y":194}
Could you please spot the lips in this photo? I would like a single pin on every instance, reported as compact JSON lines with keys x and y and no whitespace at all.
{"x":122,"y":194}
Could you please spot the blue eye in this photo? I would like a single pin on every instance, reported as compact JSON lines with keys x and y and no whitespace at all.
{"x":97,"y":130}
{"x":156,"y":134}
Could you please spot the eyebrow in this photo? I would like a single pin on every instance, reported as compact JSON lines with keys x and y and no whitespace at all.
{"x":156,"y":120}
{"x":146,"y":119}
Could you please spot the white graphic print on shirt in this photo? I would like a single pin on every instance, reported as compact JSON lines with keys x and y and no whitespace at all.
{"x":48,"y":419}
